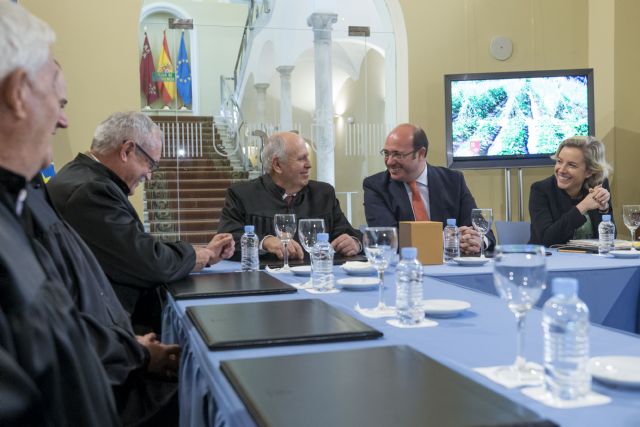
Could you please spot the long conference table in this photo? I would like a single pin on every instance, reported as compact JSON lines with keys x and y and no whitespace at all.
{"x":484,"y":335}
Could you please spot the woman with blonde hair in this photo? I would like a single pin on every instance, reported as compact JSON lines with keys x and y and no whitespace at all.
{"x":570,"y":203}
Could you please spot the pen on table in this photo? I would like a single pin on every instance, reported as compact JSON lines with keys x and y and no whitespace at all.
{"x":575,"y":251}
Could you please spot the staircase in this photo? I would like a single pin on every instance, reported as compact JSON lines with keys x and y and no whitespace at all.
{"x":184,"y":199}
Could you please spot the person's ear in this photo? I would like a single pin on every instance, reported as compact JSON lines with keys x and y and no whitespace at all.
{"x":14,"y":93}
{"x":276,"y":166}
{"x":125,"y":150}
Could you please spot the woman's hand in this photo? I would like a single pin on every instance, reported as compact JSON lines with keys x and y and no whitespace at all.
{"x":598,"y":198}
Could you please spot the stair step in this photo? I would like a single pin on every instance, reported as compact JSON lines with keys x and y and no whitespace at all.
{"x":194,"y":237}
{"x":199,"y":162}
{"x":199,"y":174}
{"x":188,"y":184}
{"x":185,"y":203}
{"x":197,"y":214}
{"x":207,"y":193}
{"x":186,"y":225}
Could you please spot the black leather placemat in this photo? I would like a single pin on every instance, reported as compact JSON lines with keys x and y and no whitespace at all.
{"x":228,"y":284}
{"x":380,"y":386}
{"x":257,"y":324}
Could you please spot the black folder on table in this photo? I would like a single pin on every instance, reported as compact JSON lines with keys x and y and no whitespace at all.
{"x":228,"y":284}
{"x":257,"y":324}
{"x":379,"y":386}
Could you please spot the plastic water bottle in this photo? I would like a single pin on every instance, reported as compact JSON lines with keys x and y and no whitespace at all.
{"x":409,"y":287}
{"x":451,"y":239}
{"x":249,"y":245}
{"x":606,"y":234}
{"x":322,"y":263}
{"x":566,"y":342}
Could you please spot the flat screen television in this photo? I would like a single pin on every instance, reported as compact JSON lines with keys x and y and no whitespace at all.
{"x":515,"y":119}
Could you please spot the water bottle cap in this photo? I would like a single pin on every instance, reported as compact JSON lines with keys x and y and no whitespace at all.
{"x":606,"y":217}
{"x":564,"y":286}
{"x":451,"y":221}
{"x":409,"y":253}
{"x":322,"y":237}
{"x":249,"y":228}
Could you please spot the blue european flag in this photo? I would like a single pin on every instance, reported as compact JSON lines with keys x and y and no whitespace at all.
{"x":183,"y":78}
{"x":48,"y":173}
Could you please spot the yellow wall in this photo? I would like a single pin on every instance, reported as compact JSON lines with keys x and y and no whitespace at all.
{"x":97,"y":49}
{"x":453,"y":36}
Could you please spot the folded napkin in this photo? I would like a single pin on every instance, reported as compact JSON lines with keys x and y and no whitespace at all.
{"x":542,"y":396}
{"x":424,"y":323}
{"x":491,"y":372}
{"x":375,"y":314}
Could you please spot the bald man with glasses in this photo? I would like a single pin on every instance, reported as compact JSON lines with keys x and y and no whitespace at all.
{"x":413,"y":190}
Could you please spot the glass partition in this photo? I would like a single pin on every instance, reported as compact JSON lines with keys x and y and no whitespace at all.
{"x":252,"y":71}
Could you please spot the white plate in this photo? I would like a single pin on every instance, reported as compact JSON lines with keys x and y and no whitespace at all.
{"x":358,"y":268}
{"x":617,"y":370}
{"x":358,"y":283}
{"x":301,"y":270}
{"x":625,"y":254}
{"x":444,"y":307}
{"x":471,"y":261}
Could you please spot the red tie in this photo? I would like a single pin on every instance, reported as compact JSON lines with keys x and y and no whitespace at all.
{"x":419,"y":210}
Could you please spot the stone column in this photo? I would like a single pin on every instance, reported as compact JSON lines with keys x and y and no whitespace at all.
{"x":323,"y":135}
{"x":286,"y":115}
{"x":261,"y":96}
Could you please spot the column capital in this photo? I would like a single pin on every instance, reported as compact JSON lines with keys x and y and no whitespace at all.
{"x":261,"y":86}
{"x":322,"y":21}
{"x":285,"y":70}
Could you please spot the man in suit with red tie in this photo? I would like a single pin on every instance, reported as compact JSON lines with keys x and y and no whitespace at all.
{"x":413,"y":190}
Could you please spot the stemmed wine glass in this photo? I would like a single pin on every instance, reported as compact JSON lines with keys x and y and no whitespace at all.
{"x":308,"y":230}
{"x":481,"y":220}
{"x":631,"y":217}
{"x":285,"y":225}
{"x":519,"y":275}
{"x":381,"y":246}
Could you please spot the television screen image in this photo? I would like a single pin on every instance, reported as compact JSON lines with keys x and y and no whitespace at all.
{"x":515,"y":119}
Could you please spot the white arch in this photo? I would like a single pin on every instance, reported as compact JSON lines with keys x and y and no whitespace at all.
{"x":193,"y":37}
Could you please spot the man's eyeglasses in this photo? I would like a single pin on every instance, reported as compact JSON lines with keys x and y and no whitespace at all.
{"x":396,"y":155}
{"x":153,"y":165}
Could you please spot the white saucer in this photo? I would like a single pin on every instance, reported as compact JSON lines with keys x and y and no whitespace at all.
{"x":616,"y":370}
{"x":358,"y":283}
{"x":301,"y":270}
{"x":471,"y":261}
{"x":444,"y":307}
{"x":358,"y":268}
{"x":625,"y":254}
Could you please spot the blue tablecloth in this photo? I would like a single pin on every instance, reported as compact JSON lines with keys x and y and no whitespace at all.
{"x":483,"y":336}
{"x":609,"y":286}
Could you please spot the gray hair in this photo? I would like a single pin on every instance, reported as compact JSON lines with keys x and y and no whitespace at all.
{"x":593,"y":152}
{"x":25,"y":41}
{"x":119,"y":127}
{"x":275,"y":148}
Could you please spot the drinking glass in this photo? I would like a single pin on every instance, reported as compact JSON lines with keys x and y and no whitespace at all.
{"x":285,"y":225}
{"x":631,"y":217}
{"x":519,"y":274}
{"x":481,"y":220}
{"x":308,"y":230}
{"x":380,"y":246}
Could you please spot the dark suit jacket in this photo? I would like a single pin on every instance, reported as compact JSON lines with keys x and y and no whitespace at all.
{"x":554,"y":217}
{"x":386,"y":201}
